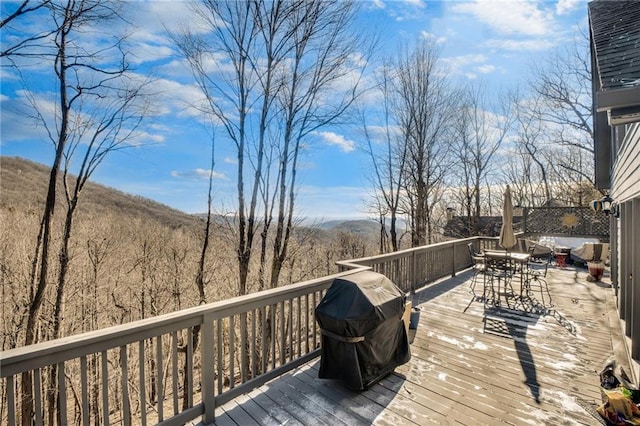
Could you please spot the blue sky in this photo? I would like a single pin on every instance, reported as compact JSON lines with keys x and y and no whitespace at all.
{"x":495,"y":41}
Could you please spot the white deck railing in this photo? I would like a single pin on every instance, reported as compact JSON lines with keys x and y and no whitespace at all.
{"x":173,"y":368}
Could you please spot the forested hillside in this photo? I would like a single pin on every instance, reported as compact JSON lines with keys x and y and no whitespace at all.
{"x":131,"y":257}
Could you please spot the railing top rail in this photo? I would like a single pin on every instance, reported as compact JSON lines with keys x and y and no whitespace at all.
{"x":401,"y":253}
{"x":44,"y":353}
{"x":71,"y":347}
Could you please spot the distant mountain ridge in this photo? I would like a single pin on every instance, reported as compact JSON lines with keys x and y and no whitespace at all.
{"x":357,"y":226}
{"x":23,"y":185}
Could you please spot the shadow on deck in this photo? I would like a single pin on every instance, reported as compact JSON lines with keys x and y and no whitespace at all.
{"x":472,"y":363}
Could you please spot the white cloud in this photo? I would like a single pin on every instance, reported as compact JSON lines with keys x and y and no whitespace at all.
{"x":19,"y":122}
{"x":174,"y":68}
{"x":379,"y":133}
{"x":430,"y":36}
{"x":183,"y":100}
{"x":7,"y":73}
{"x":153,"y":17}
{"x":407,"y":10}
{"x":415,"y":3}
{"x":331,"y":138}
{"x":378,"y":4}
{"x":509,"y":17}
{"x":519,"y":45}
{"x":566,"y":6}
{"x":16,"y":126}
{"x":145,"y":52}
{"x":486,"y":69}
{"x":358,"y":60}
{"x":460,"y":64}
{"x":463,"y":60}
{"x":230,"y":160}
{"x":198,"y":174}
{"x":337,"y":202}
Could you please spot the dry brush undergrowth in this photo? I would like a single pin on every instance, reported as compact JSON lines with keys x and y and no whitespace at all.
{"x":131,"y":257}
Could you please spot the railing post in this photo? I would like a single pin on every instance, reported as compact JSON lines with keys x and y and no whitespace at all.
{"x":453,"y":259}
{"x":208,"y":369}
{"x":413,"y":272}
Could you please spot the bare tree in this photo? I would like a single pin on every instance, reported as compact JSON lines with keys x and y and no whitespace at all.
{"x":201,"y":281}
{"x":388,"y":159}
{"x":424,"y":106}
{"x":276,"y":64}
{"x":20,"y":46}
{"x":480,"y":129}
{"x":229,"y":96}
{"x":563,"y":85}
{"x":531,"y":147}
{"x":98,"y":111}
{"x":324,"y":64}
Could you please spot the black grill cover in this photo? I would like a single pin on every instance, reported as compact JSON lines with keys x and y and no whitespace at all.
{"x":363,"y":335}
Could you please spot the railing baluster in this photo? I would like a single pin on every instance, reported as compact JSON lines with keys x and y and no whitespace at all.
{"x":174,"y":368}
{"x":220,"y":368}
{"x":189,"y":356}
{"x":11,"y":401}
{"x":413,"y":272}
{"x":306,"y":323}
{"x":37,"y":393}
{"x":124,"y":383}
{"x":272,"y":318}
{"x":232,"y":351}
{"x":263,"y":350}
{"x":282,"y":334}
{"x":290,"y":325}
{"x":62,"y":394}
{"x":315,"y":331}
{"x":299,"y":325}
{"x":253,"y":340}
{"x":207,"y":370}
{"x":84,"y":390}
{"x":243,"y":347}
{"x":142,"y":396}
{"x":105,"y":388}
{"x":159,"y":373}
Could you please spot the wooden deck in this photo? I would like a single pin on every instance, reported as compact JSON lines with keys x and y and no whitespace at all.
{"x":472,"y":363}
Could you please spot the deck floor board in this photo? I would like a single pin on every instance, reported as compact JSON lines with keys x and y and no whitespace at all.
{"x":472,"y":363}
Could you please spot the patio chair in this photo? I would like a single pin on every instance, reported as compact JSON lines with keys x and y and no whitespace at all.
{"x":536,"y":274}
{"x":498,"y":273}
{"x":478,"y":267}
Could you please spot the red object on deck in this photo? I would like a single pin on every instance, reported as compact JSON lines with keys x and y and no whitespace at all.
{"x":596,"y":269}
{"x":561,"y":260}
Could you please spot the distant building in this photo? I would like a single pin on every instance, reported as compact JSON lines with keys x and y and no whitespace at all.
{"x":488,"y":226}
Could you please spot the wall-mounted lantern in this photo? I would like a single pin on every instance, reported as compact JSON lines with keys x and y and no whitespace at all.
{"x":607,"y":203}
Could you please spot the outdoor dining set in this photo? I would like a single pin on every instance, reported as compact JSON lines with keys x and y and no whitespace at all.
{"x":510,"y":277}
{"x":500,"y":269}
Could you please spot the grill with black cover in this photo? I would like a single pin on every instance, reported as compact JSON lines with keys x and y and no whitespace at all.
{"x":363,"y":335}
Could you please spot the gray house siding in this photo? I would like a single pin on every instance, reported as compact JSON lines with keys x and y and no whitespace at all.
{"x":615,"y":49}
{"x":626,"y":169}
{"x":625,"y":190}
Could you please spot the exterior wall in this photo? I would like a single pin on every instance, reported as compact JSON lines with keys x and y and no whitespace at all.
{"x":625,"y":259}
{"x":626,"y":170}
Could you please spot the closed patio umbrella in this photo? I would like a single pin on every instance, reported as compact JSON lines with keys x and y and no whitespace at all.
{"x":507,"y":236}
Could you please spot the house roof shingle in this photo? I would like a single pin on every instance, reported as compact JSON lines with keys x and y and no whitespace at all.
{"x":616,"y":39}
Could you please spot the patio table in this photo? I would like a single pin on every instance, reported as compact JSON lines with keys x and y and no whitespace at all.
{"x":512,"y":262}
